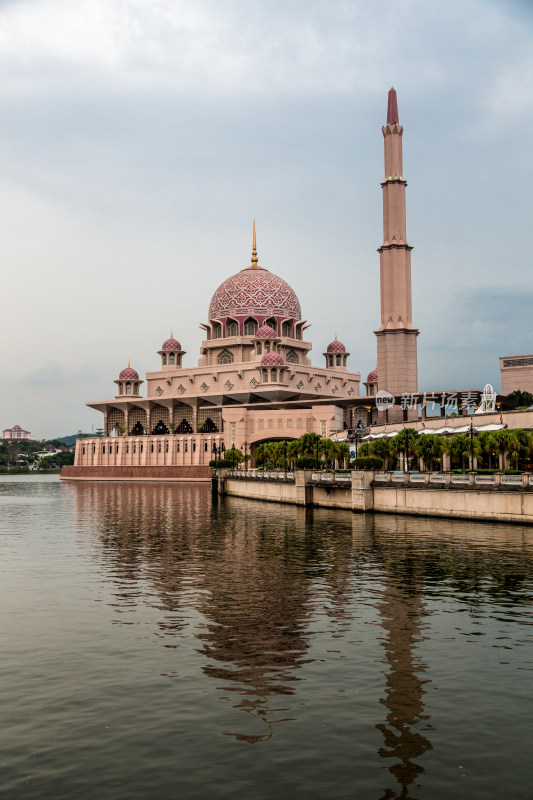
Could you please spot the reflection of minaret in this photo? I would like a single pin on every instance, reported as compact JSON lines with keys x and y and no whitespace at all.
{"x":396,"y":335}
{"x":401,"y":610}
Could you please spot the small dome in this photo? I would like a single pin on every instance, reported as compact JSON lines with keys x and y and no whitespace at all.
{"x":171,"y":344}
{"x":372,"y":376}
{"x":272,"y":359}
{"x":266,"y":332}
{"x":128,"y":374}
{"x":336,"y":347}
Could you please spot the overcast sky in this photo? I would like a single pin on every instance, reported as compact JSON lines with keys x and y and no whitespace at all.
{"x":139,"y":139}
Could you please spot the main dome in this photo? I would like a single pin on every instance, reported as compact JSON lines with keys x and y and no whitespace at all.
{"x":256,"y":292}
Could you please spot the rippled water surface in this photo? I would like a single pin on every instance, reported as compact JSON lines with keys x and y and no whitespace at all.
{"x":157,"y":644}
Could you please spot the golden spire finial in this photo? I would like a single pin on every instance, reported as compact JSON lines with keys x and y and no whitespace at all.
{"x":336,"y":337}
{"x":171,"y":334}
{"x":254,"y":250}
{"x":129,"y":365}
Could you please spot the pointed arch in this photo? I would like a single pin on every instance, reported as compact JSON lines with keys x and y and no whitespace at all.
{"x":291,"y":357}
{"x":232,"y":327}
{"x":225,"y":357}
{"x":250,"y":326}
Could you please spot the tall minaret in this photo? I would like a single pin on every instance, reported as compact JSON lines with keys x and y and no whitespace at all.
{"x":397,"y":362}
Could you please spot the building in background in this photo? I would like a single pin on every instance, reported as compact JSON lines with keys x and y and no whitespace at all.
{"x":16,"y":432}
{"x":516,"y":373}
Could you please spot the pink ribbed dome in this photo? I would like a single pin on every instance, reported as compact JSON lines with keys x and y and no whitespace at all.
{"x":257,"y":292}
{"x":272,"y":359}
{"x":171,"y":344}
{"x":266,"y":332}
{"x":336,"y":347}
{"x":372,"y":376}
{"x":128,"y":374}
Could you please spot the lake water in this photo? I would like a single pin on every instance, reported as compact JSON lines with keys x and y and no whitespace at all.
{"x":157,"y":644}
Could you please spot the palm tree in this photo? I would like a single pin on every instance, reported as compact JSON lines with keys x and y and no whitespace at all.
{"x":381,"y":448}
{"x":404,"y":442}
{"x":501,"y":442}
{"x":343,"y":454}
{"x":366,"y":449}
{"x":460,"y":447}
{"x":487,"y":445}
{"x":293,"y":451}
{"x":430,"y":448}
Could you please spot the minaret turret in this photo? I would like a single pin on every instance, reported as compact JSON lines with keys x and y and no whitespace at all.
{"x":128,"y":382}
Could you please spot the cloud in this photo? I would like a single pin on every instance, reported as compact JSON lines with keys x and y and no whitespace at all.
{"x":266,"y":47}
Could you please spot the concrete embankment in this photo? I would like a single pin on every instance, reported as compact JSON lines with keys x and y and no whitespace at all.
{"x":498,"y":498}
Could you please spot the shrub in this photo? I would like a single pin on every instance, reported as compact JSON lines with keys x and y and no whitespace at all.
{"x":220,"y":463}
{"x":19,"y":470}
{"x":306,"y":462}
{"x":368,"y":462}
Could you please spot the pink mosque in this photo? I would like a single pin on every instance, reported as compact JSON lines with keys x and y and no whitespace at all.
{"x":255,"y":381}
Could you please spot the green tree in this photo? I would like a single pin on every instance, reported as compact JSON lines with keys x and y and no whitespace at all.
{"x":429,"y":448}
{"x":404,"y":442}
{"x":380,"y":448}
{"x":520,"y":399}
{"x":501,"y":443}
{"x":517,"y":446}
{"x":460,"y":448}
{"x":13,"y":453}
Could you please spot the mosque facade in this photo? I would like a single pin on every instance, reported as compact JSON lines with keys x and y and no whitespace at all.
{"x":254,"y":380}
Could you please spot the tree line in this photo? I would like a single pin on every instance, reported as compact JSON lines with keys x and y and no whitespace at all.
{"x":515,"y":446}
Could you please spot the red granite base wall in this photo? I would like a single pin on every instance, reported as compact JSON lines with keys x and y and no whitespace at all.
{"x":136,"y":474}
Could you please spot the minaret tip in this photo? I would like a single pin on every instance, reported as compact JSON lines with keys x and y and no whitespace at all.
{"x":254,"y":250}
{"x":392,"y":107}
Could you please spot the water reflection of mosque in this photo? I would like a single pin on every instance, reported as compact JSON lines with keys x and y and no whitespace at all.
{"x":253,"y":577}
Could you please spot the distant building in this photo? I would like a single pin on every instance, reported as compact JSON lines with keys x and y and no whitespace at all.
{"x":516,"y":373}
{"x":16,"y":432}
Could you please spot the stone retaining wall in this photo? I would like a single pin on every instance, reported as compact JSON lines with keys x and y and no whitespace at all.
{"x":513,"y":502}
{"x":100,"y":473}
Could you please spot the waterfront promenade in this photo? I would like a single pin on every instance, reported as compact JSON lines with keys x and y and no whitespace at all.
{"x":501,"y":498}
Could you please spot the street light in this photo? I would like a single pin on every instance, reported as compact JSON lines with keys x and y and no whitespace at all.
{"x":355,"y":434}
{"x":358,"y":428}
{"x":285,"y":453}
{"x":233,"y":455}
{"x":243,"y":447}
{"x":218,"y":451}
{"x":471,"y":431}
{"x":318,"y":435}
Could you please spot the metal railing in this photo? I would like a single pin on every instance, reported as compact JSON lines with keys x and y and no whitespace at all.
{"x":435,"y":479}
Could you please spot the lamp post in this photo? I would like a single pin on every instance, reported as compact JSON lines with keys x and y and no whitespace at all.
{"x":244,"y":447}
{"x":471,"y":431}
{"x":358,"y":429}
{"x":285,"y":453}
{"x":233,"y":455}
{"x":317,"y":441}
{"x":218,"y":451}
{"x":355,"y":434}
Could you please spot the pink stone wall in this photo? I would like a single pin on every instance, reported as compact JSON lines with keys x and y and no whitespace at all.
{"x":153,"y":473}
{"x":516,"y":375}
